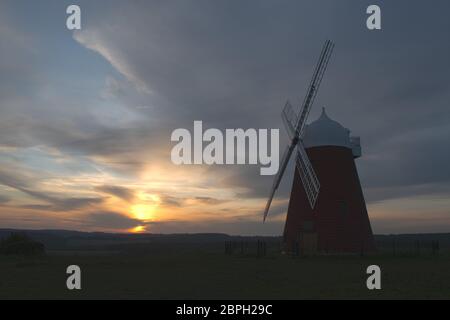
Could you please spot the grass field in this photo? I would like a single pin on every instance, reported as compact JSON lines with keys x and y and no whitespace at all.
{"x":198,"y":273}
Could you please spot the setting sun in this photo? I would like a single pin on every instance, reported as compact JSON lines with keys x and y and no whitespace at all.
{"x":143,"y":212}
{"x":138,"y":229}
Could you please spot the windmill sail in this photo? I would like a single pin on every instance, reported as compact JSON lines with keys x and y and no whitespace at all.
{"x":314,"y":85}
{"x":289,"y":119}
{"x":284,"y":162}
{"x":308,"y":177}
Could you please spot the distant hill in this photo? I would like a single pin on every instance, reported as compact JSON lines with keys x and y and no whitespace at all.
{"x":65,"y":239}
{"x":76,"y":240}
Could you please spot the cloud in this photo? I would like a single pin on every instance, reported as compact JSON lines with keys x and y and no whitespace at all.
{"x":92,"y":40}
{"x":111,"y":220}
{"x":172,"y":201}
{"x":210,"y":200}
{"x":230,"y":64}
{"x":3,"y":199}
{"x":118,"y":191}
{"x":17,"y":182}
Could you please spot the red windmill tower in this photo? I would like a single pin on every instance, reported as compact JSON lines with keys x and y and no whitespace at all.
{"x":327,"y":211}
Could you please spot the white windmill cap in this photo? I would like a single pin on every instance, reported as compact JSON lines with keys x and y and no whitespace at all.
{"x":326,"y":132}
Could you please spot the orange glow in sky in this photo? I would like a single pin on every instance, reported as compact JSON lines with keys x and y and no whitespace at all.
{"x":138,"y":229}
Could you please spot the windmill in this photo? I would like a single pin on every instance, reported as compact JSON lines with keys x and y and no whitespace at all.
{"x":295,"y":125}
{"x":337,"y":221}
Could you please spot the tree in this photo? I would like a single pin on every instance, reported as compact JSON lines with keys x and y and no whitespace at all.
{"x":20,"y":244}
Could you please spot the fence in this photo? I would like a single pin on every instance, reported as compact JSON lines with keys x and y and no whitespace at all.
{"x":389,"y":245}
{"x":258,"y":248}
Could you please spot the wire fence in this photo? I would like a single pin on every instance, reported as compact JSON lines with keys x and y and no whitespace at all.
{"x":390,"y":246}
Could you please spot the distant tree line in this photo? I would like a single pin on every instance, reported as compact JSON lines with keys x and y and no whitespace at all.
{"x":20,"y":244}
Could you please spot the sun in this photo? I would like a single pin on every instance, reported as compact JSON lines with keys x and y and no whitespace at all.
{"x":143,"y":212}
{"x":138,"y":229}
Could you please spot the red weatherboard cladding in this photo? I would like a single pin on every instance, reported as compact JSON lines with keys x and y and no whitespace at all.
{"x":340,"y":217}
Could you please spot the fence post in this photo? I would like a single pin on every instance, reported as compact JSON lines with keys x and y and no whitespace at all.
{"x":435,"y":247}
{"x":393,"y":247}
{"x":257,"y":249}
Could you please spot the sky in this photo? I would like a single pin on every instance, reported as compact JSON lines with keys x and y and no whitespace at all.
{"x":86,"y":116}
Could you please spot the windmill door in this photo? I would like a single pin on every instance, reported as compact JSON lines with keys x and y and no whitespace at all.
{"x":308,"y":242}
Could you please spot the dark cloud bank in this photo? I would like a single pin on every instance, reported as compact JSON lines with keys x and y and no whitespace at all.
{"x":233,"y":64}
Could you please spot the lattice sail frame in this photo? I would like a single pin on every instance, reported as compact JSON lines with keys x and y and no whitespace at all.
{"x":295,"y":125}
